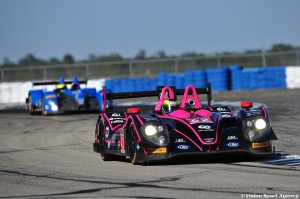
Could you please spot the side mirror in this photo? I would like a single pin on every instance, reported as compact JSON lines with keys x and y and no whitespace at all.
{"x":133,"y":110}
{"x":247,"y":105}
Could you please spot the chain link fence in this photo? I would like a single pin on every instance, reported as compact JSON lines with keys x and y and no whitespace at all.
{"x":147,"y":68}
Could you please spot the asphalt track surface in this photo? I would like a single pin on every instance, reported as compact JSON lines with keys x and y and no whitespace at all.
{"x":52,"y":157}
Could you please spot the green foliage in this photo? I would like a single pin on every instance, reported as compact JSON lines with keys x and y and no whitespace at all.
{"x":281,"y":47}
{"x":141,"y":55}
{"x":207,"y":61}
{"x":68,"y":59}
{"x":31,"y":60}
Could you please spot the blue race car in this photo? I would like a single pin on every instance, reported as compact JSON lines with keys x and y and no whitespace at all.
{"x":63,"y":99}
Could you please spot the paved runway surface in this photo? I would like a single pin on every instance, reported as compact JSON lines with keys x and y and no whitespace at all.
{"x":52,"y":157}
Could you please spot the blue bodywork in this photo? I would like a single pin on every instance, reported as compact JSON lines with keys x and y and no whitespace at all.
{"x":62,"y":100}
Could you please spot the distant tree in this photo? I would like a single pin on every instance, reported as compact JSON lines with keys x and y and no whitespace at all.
{"x":92,"y":57}
{"x":161,"y":54}
{"x":68,"y":59}
{"x":189,"y":54}
{"x":227,"y":53}
{"x":7,"y":62}
{"x":31,"y":60}
{"x":108,"y":58}
{"x":54,"y":60}
{"x":141,"y":54}
{"x":281,"y":47}
{"x":253,"y":51}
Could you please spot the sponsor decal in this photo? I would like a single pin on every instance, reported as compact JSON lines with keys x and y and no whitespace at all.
{"x":209,"y":139}
{"x":260,"y":144}
{"x":253,"y":112}
{"x":233,"y":144}
{"x":183,"y":147}
{"x":232,"y":137}
{"x":117,"y":118}
{"x":116,"y":121}
{"x":180,"y":140}
{"x":205,"y":128}
{"x":50,"y":96}
{"x":116,"y":115}
{"x":114,"y":138}
{"x":199,"y":120}
{"x":106,"y":132}
{"x":221,"y":109}
{"x":122,"y":140}
{"x":157,"y":150}
{"x":226,"y":115}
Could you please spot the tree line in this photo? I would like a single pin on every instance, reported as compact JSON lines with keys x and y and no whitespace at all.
{"x":31,"y":60}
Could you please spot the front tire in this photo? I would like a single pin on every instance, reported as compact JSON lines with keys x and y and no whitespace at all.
{"x":131,"y":144}
{"x":100,"y":132}
{"x":44,"y":112}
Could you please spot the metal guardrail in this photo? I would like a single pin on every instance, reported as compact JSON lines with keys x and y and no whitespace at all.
{"x":147,"y":68}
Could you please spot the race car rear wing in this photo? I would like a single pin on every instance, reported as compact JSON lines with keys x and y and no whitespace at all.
{"x":55,"y":82}
{"x":125,"y":95}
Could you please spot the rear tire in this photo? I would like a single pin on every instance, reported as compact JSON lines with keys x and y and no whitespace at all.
{"x":30,"y":105}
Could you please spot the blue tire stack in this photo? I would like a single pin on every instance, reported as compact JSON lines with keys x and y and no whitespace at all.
{"x":161,"y":79}
{"x":188,"y":77}
{"x":170,"y":80}
{"x":236,"y":77}
{"x":274,"y":77}
{"x":199,"y":78}
{"x":179,"y":81}
{"x":219,"y":78}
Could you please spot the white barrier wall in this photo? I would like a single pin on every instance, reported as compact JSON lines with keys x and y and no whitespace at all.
{"x":17,"y":92}
{"x":292,"y":76}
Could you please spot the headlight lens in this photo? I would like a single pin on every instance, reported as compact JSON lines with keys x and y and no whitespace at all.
{"x":255,"y":128}
{"x":53,"y":106}
{"x":249,"y":123}
{"x":155,"y":133}
{"x":150,"y":130}
{"x":260,"y":124}
{"x":160,"y":129}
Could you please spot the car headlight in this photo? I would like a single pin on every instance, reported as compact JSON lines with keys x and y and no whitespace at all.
{"x":160,"y":129}
{"x":255,"y":128}
{"x":249,"y":123}
{"x":53,"y":106}
{"x":260,"y":124}
{"x":150,"y":130}
{"x":155,"y":133}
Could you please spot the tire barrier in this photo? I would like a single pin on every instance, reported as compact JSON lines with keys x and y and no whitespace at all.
{"x":257,"y":78}
{"x":219,"y":78}
{"x":222,"y":79}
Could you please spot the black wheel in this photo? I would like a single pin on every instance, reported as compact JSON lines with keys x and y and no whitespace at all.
{"x":44,"y":112}
{"x":30,"y":105}
{"x":131,"y":144}
{"x":100,"y":132}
